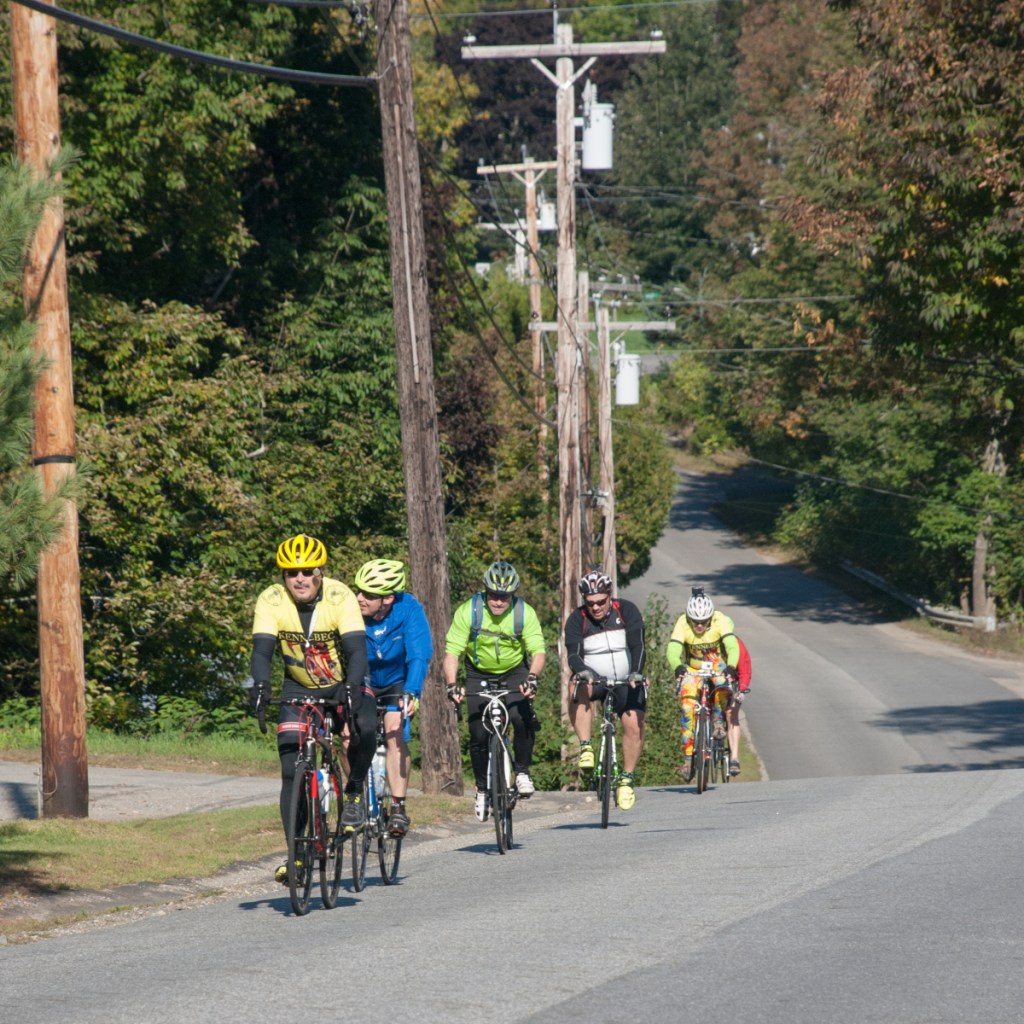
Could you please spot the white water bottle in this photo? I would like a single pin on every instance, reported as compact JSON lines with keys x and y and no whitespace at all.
{"x":324,"y":784}
{"x":378,"y":772}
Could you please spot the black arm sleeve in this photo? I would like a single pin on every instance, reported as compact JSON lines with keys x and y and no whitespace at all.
{"x":573,"y":636}
{"x":357,"y":665}
{"x":263,"y":645}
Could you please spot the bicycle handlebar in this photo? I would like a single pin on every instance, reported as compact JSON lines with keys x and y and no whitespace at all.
{"x":261,"y":707}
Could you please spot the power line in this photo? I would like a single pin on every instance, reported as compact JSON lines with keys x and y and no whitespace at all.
{"x":196,"y":56}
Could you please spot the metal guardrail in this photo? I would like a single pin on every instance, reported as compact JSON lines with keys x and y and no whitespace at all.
{"x":945,"y":616}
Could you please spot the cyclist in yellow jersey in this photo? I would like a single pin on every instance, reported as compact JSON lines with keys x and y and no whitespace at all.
{"x":501,"y":637}
{"x":702,"y":634}
{"x":316,"y":624}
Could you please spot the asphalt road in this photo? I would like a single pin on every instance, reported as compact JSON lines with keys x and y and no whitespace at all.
{"x":874,"y":880}
{"x":894,"y":899}
{"x":836,"y":691}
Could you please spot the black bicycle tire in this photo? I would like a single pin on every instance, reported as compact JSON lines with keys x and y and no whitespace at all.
{"x":361,"y":845}
{"x":700,"y":762}
{"x":499,"y":793}
{"x":300,"y":847}
{"x":332,"y":856}
{"x":607,"y":772}
{"x":389,"y":847}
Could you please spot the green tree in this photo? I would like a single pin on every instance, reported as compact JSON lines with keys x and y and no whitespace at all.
{"x":28,"y":519}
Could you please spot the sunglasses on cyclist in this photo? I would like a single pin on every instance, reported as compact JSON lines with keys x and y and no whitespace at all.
{"x":293,"y":573}
{"x":491,"y":596}
{"x":700,"y":623}
{"x":598,"y":602}
{"x":367,"y":596}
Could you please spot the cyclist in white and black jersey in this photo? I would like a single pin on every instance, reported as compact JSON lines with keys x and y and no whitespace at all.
{"x":604,"y":639}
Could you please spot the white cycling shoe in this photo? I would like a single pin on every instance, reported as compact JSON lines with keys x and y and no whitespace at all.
{"x":481,"y":808}
{"x":524,"y":784}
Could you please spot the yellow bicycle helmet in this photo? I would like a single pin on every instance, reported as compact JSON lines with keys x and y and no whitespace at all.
{"x":301,"y":552}
{"x":382,"y":576}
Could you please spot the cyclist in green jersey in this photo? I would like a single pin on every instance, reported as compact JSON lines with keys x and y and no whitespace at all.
{"x":500,"y":635}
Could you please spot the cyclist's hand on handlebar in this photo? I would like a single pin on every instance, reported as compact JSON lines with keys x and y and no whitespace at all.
{"x":410,"y":704}
{"x":529,"y":688}
{"x":731,"y":674}
{"x":680,"y":678}
{"x":455,"y":693}
{"x":258,"y":696}
{"x":636,"y":679}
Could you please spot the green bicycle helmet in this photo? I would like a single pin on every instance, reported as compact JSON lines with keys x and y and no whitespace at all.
{"x":501,"y":578}
{"x":381,"y":576}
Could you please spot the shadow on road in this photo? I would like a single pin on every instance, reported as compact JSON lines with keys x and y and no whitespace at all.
{"x":995,"y":725}
{"x":780,"y":591}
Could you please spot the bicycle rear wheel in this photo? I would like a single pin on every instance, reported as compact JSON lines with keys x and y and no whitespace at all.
{"x":389,"y":847}
{"x":500,"y":810}
{"x":361,"y":845}
{"x":607,"y":771}
{"x":301,"y":838}
{"x":720,"y":761}
{"x":331,"y":857}
{"x":701,"y":753}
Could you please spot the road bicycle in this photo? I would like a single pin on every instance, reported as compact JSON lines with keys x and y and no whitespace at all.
{"x":606,"y":767}
{"x":378,"y":802}
{"x":314,"y":809}
{"x":501,"y":785}
{"x":710,"y":755}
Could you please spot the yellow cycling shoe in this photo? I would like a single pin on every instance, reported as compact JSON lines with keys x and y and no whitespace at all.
{"x":586,"y":758}
{"x":281,"y":874}
{"x":624,"y":795}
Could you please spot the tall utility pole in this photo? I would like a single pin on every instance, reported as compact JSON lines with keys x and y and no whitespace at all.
{"x":65,"y":769}
{"x":528,"y":169}
{"x":421,"y":449}
{"x":563,"y":50}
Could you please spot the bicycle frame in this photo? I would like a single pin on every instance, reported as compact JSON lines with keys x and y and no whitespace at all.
{"x":315,"y":836}
{"x":377,"y":792}
{"x":710,"y":756}
{"x":500,"y":775}
{"x":607,"y":765}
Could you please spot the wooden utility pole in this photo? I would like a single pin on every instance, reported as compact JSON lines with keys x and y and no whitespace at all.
{"x":421,"y":449}
{"x":567,"y":362}
{"x":606,"y":498}
{"x":65,"y":769}
{"x":528,"y":169}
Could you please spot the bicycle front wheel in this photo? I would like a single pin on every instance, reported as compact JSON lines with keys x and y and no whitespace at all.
{"x":361,"y":845}
{"x":607,"y":771}
{"x":701,"y":753}
{"x":301,"y":838}
{"x":331,"y":836}
{"x":389,"y":847}
{"x":500,"y":810}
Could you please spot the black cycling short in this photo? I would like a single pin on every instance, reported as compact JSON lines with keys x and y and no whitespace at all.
{"x":624,"y":697}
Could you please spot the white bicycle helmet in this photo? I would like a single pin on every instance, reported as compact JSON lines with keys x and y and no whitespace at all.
{"x":700,"y":607}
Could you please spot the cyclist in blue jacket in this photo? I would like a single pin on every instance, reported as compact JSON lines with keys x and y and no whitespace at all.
{"x":399,"y":648}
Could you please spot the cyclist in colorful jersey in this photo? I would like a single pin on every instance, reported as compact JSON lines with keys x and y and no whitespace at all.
{"x":604,"y":639}
{"x":399,"y":648}
{"x":702,"y":634}
{"x":501,"y":637}
{"x":315,"y":622}
{"x":732,"y":711}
